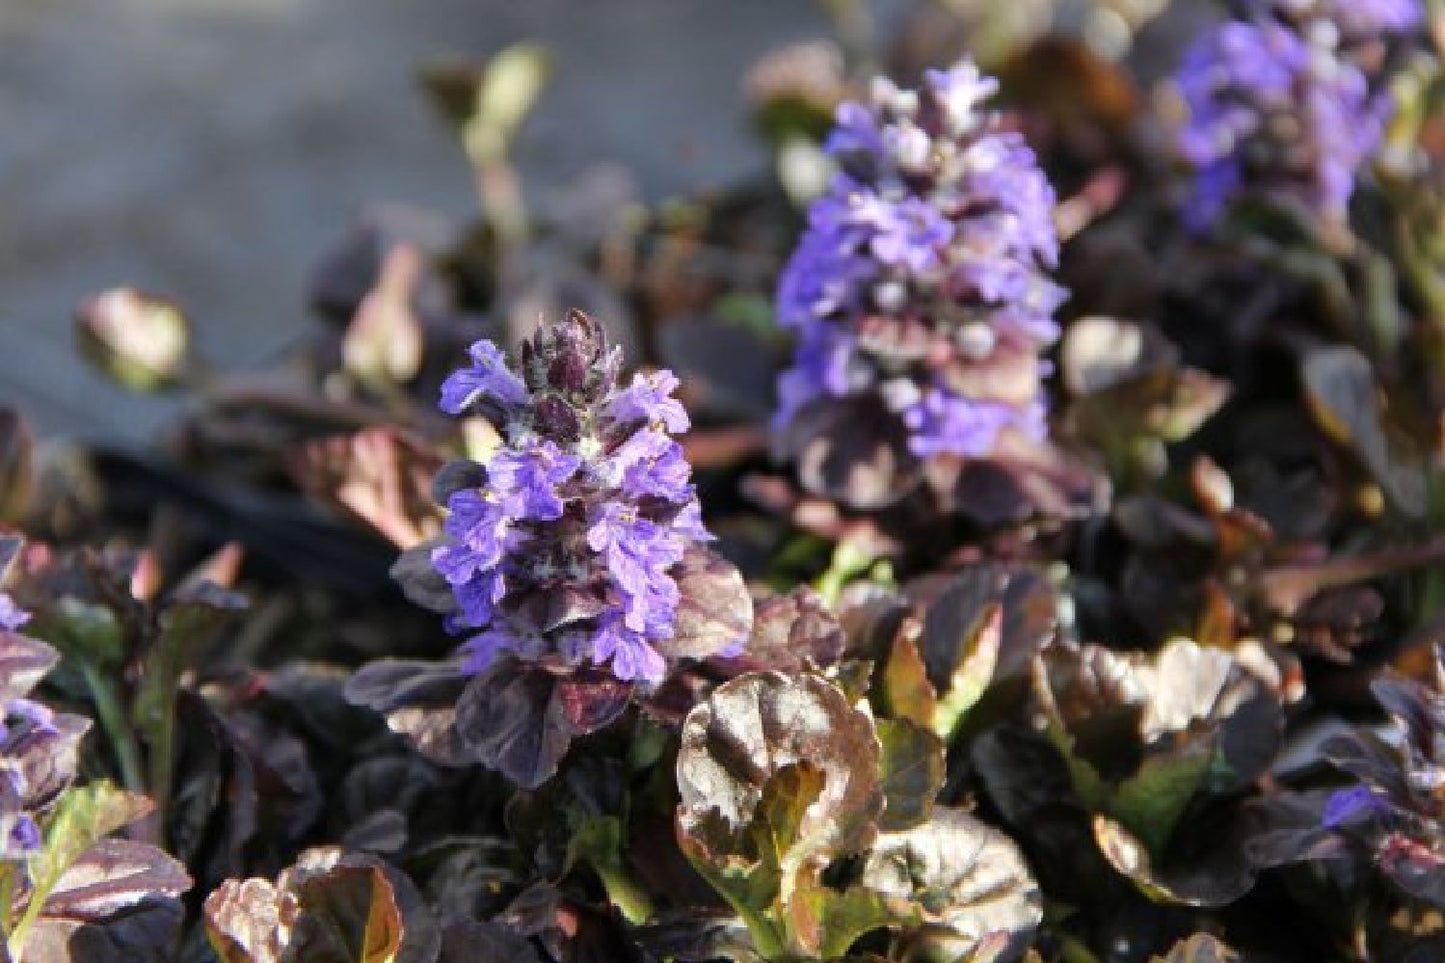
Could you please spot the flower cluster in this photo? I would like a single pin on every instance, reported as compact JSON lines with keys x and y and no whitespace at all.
{"x":37,"y":746}
{"x":921,"y":276}
{"x":560,"y":548}
{"x":1279,"y":106}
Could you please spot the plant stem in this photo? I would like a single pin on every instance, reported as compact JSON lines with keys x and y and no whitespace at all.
{"x":7,"y":895}
{"x":624,"y":892}
{"x":113,"y":721}
{"x":15,"y":941}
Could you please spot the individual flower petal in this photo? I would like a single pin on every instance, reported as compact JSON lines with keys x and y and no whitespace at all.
{"x":649,"y":399}
{"x":487,"y":377}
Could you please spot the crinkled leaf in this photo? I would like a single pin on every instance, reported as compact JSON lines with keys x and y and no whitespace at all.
{"x":968,"y":879}
{"x":958,"y":608}
{"x":1209,"y":723}
{"x":420,"y":937}
{"x":912,"y":773}
{"x":977,"y":658}
{"x":1024,"y":479}
{"x":250,"y":921}
{"x":795,"y":632}
{"x":752,"y":727}
{"x":714,"y":612}
{"x":48,"y":758}
{"x":1291,"y":829}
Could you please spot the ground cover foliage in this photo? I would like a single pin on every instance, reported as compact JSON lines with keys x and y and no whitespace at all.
{"x":1010,"y":528}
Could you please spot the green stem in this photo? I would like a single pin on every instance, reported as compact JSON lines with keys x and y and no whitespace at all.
{"x":113,"y":721}
{"x":162,"y":752}
{"x":7,"y":895}
{"x":15,"y":943}
{"x":849,"y":561}
{"x":624,"y":892}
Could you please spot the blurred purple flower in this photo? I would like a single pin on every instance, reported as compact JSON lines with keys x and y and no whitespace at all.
{"x":1277,"y":109}
{"x":1354,"y":19}
{"x":11,"y":615}
{"x":926,"y":253}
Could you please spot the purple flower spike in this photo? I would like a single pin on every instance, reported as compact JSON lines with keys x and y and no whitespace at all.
{"x":563,"y":554}
{"x":1281,"y":108}
{"x":921,"y":273}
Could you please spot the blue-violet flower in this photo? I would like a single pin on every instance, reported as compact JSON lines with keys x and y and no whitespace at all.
{"x":921,"y":278}
{"x":560,"y":549}
{"x":1279,"y":107}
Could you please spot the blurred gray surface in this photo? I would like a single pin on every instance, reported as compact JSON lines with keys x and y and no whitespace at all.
{"x":210,"y":150}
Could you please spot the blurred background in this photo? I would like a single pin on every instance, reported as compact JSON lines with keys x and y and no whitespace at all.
{"x":211,"y":150}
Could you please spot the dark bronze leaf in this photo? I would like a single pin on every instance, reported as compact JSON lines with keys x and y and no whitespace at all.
{"x":715,"y":612}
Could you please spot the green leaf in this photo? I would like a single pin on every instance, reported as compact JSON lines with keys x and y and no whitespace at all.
{"x":86,"y":633}
{"x":1151,"y":801}
{"x":906,"y":692}
{"x":973,"y":670}
{"x":186,"y":624}
{"x":598,"y":840}
{"x":912,"y":772}
{"x":824,"y":923}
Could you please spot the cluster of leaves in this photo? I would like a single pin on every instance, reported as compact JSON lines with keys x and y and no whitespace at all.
{"x":1161,"y":688}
